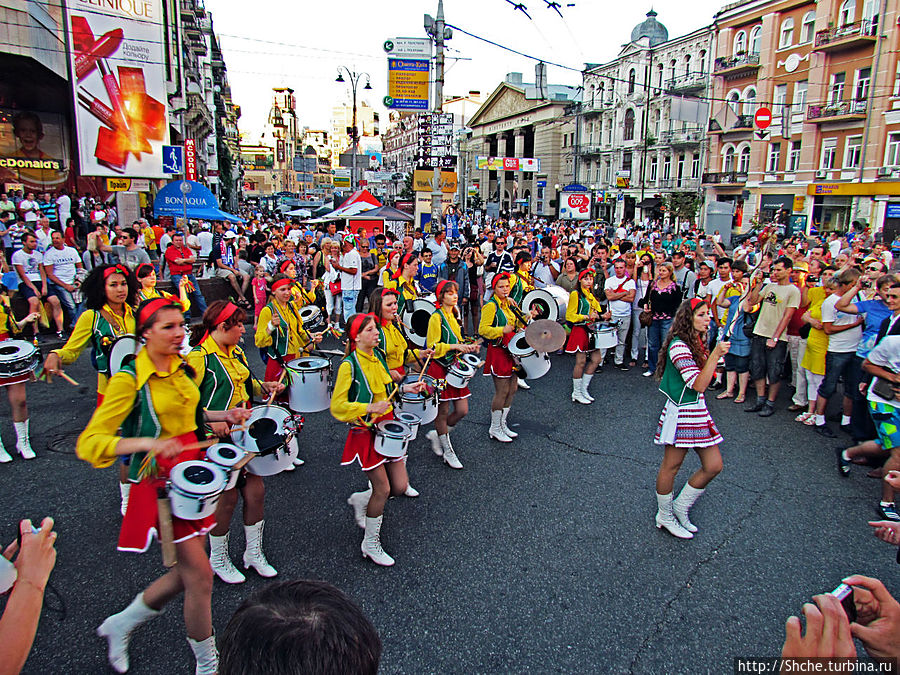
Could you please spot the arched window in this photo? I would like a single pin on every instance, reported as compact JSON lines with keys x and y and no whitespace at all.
{"x":659,"y":70}
{"x":734,"y":102}
{"x":672,"y":69}
{"x":628,"y":130}
{"x":657,"y":116}
{"x":749,"y":107}
{"x":631,"y":76}
{"x":687,"y":65}
{"x":755,"y":39}
{"x":701,"y":66}
{"x":728,"y":159}
{"x":847,"y":14}
{"x":808,"y":28}
{"x":744,"y":160}
{"x":740,"y":43}
{"x":786,"y":37}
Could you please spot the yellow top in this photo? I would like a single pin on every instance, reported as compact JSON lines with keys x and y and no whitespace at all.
{"x":83,"y":332}
{"x":386,"y":279}
{"x":817,"y":340}
{"x":285,"y":314}
{"x":433,"y":338}
{"x":237,"y":372}
{"x":302,"y":296}
{"x":405,"y":287}
{"x":377,"y":378}
{"x":572,"y":315}
{"x":149,"y":238}
{"x":486,"y":327}
{"x":156,"y":293}
{"x":175,"y":399}
{"x":395,"y":346}
{"x":8,"y":323}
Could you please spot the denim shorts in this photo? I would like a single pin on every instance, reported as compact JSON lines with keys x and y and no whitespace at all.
{"x":737,"y":364}
{"x":838,"y":364}
{"x":767,"y":362}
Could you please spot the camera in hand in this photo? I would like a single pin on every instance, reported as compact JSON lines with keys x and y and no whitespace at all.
{"x":844,"y":593}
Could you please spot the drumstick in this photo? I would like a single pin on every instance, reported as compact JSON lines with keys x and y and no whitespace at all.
{"x":244,"y":461}
{"x":200,"y":445}
{"x":166,"y":531}
{"x":67,"y":378}
{"x":275,"y":391}
{"x":396,"y":389}
{"x":424,"y":368}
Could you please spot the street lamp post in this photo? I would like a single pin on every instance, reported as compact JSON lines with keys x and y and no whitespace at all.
{"x":354,"y":132}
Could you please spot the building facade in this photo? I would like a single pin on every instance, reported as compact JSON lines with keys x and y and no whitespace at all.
{"x":828,"y":71}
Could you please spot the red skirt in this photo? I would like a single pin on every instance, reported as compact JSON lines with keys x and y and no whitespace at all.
{"x":498,"y":362}
{"x":141,"y":522}
{"x":16,"y":379}
{"x":438,"y":372}
{"x":273,"y":372}
{"x":401,"y":371}
{"x":578,"y":340}
{"x":360,"y":447}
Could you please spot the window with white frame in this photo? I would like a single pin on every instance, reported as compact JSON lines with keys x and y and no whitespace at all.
{"x":896,"y":90}
{"x":734,"y":102}
{"x":701,"y":65}
{"x":728,"y":160}
{"x":687,"y":65}
{"x":863,"y":79}
{"x":829,"y":150}
{"x":892,"y":150}
{"x":672,"y":67}
{"x":744,"y":160}
{"x":847,"y":15}
{"x":749,"y":107}
{"x":852,"y":152}
{"x":755,"y":39}
{"x":740,"y":43}
{"x":631,"y":79}
{"x":607,"y":176}
{"x":679,"y":172}
{"x":793,"y":164}
{"x":667,"y":167}
{"x":808,"y":28}
{"x":836,"y":88}
{"x":774,"y":156}
{"x":653,"y":169}
{"x":779,"y":99}
{"x":659,"y":78}
{"x":801,"y":88}
{"x":657,"y":116}
{"x":695,"y":165}
{"x":786,"y":37}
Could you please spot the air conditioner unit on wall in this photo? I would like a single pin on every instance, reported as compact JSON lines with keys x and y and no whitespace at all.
{"x":821,"y":174}
{"x":885,"y":171}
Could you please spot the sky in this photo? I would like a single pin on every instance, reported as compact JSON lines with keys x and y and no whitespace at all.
{"x":301,"y":45}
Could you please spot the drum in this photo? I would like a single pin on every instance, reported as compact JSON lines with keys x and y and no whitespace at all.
{"x":194,"y":489}
{"x":424,"y":404}
{"x":122,"y":351}
{"x":550,"y":302}
{"x":412,"y":421}
{"x":309,"y":383}
{"x":535,"y":364}
{"x":17,"y":358}
{"x":269,"y":429}
{"x":603,"y":335}
{"x":415,"y":318}
{"x":312,"y":318}
{"x":472,"y":359}
{"x":459,"y":374}
{"x":391,"y":437}
{"x":225,"y":456}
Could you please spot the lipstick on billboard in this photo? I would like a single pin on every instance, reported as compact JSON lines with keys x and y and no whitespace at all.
{"x":115,"y":94}
{"x":102,"y":48}
{"x":97,"y":108}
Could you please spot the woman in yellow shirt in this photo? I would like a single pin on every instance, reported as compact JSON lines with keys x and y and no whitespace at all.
{"x":151,"y":411}
{"x":15,"y":385}
{"x":498,"y":325}
{"x":583,"y":308}
{"x":397,"y":351}
{"x":445,"y":338}
{"x":403,"y":281}
{"x":389,"y":270}
{"x":299,"y":295}
{"x":361,"y":389}
{"x":146,"y":276}
{"x":813,"y":361}
{"x":225,"y":382}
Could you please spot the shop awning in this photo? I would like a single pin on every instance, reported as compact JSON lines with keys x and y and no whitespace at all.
{"x":649,"y":203}
{"x":196,"y":201}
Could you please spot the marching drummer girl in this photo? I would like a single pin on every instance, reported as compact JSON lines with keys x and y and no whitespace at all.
{"x":500,"y":320}
{"x":146,"y":276}
{"x":403,"y":280}
{"x":445,"y":338}
{"x":225,"y":382}
{"x":583,"y":308}
{"x":299,"y":295}
{"x":151,"y":411}
{"x":520,"y":284}
{"x":360,"y":389}
{"x":15,"y":385}
{"x":685,"y":423}
{"x":109,"y":293}
{"x":390,"y":269}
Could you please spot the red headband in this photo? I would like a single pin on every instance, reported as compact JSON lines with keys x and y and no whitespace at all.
{"x":116,"y":269}
{"x":356,"y":325}
{"x":404,"y":261}
{"x":583,"y":273}
{"x":389,"y":291}
{"x":500,"y":277}
{"x":150,"y":307}
{"x":437,"y":291}
{"x":282,"y":266}
{"x":696,"y":302}
{"x":227,"y":312}
{"x":281,"y":282}
{"x":138,"y":269}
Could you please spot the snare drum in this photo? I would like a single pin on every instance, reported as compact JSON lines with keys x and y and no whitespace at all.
{"x":312,"y":318}
{"x":391,"y":438}
{"x":459,"y":374}
{"x":411,"y":420}
{"x":309,"y":384}
{"x":18,"y":360}
{"x":194,"y":489}
{"x":424,"y":404}
{"x":269,"y":429}
{"x":535,"y":364}
{"x":472,"y":359}
{"x":122,"y":351}
{"x":225,"y":456}
{"x":603,"y":335}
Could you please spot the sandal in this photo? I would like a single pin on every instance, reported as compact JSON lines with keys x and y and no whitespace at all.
{"x":725,"y":394}
{"x":740,"y":399}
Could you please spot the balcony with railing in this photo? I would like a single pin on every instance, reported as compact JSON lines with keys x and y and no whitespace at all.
{"x":681,"y":137}
{"x":597,"y":105}
{"x":725,"y":178}
{"x":690,"y":82}
{"x":678,"y":183}
{"x":735,"y":66}
{"x":590,"y":150}
{"x":847,"y":36}
{"x":743,"y":124}
{"x":843,"y":111}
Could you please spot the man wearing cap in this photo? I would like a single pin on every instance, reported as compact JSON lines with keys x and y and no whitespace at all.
{"x":224,"y":262}
{"x":349,"y":265}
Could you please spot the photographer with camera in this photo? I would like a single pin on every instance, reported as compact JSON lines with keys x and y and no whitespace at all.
{"x":28,"y":577}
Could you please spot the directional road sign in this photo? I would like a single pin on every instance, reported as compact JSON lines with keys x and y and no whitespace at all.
{"x":173,"y":159}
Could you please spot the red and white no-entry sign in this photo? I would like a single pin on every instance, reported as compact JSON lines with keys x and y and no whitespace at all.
{"x":762,"y":118}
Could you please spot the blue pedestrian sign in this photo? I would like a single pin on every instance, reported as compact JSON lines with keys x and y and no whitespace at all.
{"x":173,"y":159}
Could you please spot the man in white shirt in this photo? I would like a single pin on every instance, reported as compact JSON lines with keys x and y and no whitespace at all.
{"x":29,"y":209}
{"x":64,"y":208}
{"x":544,"y":270}
{"x":438,"y":247}
{"x":350,"y":267}
{"x":620,"y":290}
{"x":60,"y":263}
{"x":28,"y":264}
{"x":43,"y":234}
{"x":723,"y":267}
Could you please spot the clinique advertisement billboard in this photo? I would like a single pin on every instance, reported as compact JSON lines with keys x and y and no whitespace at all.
{"x":121,"y":121}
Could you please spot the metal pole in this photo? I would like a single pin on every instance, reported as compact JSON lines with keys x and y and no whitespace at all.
{"x":353,"y":135}
{"x":438,"y":108}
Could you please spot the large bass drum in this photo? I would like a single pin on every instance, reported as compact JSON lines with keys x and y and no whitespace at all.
{"x":415,"y":319}
{"x":121,"y":352}
{"x":550,"y":303}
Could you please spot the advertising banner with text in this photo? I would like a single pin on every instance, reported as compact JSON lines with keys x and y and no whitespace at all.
{"x":509,"y":163}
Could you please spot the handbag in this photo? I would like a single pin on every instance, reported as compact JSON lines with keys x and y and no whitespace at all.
{"x":750,"y":322}
{"x":334,"y":285}
{"x":645,"y":318}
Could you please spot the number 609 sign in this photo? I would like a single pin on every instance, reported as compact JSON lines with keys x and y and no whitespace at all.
{"x":575,"y":206}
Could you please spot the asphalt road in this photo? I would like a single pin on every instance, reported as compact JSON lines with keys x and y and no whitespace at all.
{"x":539,"y":557}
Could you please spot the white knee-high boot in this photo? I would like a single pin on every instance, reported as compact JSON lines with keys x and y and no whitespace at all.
{"x":683,"y":504}
{"x":220,"y":560}
{"x":577,"y":391}
{"x":4,"y":455}
{"x":371,"y":544}
{"x":665,"y":518}
{"x":585,"y":382}
{"x":206,"y":655}
{"x":496,"y":430}
{"x":449,"y":453}
{"x":253,"y":554}
{"x":359,"y":501}
{"x":23,"y":442}
{"x":503,"y":425}
{"x":117,"y":630}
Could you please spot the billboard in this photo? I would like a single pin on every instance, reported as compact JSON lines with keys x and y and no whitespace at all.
{"x":509,"y":163}
{"x":119,"y":83}
{"x":574,"y":205}
{"x":408,"y":84}
{"x":33,"y":149}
